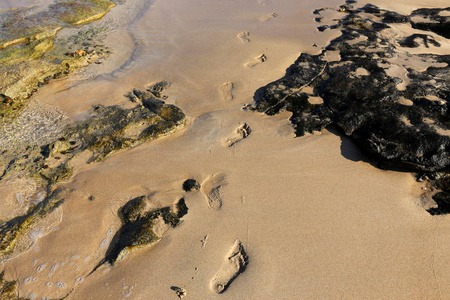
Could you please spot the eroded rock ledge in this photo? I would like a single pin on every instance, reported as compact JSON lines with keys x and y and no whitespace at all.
{"x":33,"y":52}
{"x":141,"y":228}
{"x":392,"y":103}
{"x":107,"y":130}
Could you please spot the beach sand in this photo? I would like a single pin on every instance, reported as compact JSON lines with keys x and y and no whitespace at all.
{"x":316,"y":219}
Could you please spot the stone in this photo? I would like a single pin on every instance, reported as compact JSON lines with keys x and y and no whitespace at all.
{"x":108,"y":129}
{"x":141,"y":228}
{"x":367,"y":105}
{"x":191,"y":185}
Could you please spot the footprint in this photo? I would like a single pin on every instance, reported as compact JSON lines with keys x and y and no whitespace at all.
{"x":269,"y":17}
{"x":244,"y":36}
{"x":203,"y":241}
{"x":181,"y":293}
{"x":262,"y":2}
{"x":259,"y":59}
{"x":235,"y":263}
{"x":225,"y":91}
{"x":238,"y":135}
{"x":211,"y":189}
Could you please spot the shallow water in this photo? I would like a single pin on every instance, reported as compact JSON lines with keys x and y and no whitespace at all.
{"x":7,"y":4}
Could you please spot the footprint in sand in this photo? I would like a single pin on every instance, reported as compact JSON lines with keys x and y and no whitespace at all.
{"x":203,"y":241}
{"x":238,"y":135}
{"x":235,"y":263}
{"x":180,"y":292}
{"x":244,"y":36}
{"x":269,"y":17}
{"x":225,"y":91}
{"x":262,"y":2}
{"x":259,"y":59}
{"x":211,"y":189}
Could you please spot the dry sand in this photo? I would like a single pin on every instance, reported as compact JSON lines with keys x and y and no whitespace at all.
{"x":316,"y":220}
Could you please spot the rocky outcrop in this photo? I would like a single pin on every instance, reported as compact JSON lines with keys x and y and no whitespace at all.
{"x":8,"y":289}
{"x":12,"y":230}
{"x":436,"y":20}
{"x":191,"y":185}
{"x":400,"y":119}
{"x":141,"y":228}
{"x":107,"y":130}
{"x":24,"y":25}
{"x":31,"y":54}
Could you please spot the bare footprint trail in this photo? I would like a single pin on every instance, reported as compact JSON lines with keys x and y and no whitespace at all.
{"x":225,"y":91}
{"x":244,"y":36}
{"x":234,"y":264}
{"x":256,"y":61}
{"x":211,"y":188}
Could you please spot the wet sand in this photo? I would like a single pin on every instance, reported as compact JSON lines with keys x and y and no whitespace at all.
{"x":316,"y":219}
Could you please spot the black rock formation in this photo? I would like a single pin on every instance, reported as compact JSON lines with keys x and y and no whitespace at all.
{"x":141,"y":228}
{"x":399,"y":127}
{"x":191,"y":185}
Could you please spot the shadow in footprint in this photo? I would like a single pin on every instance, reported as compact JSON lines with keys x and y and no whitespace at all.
{"x":225,"y":91}
{"x":238,"y":135}
{"x":234,"y":264}
{"x":180,"y":292}
{"x":244,"y":36}
{"x":257,"y":60}
{"x":211,"y":188}
{"x":269,"y":17}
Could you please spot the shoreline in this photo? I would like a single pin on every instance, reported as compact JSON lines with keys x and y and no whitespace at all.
{"x":316,"y":220}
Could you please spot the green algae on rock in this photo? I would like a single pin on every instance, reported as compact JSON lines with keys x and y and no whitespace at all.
{"x":12,"y":230}
{"x":141,"y":228}
{"x":31,"y":54}
{"x":23,"y":25}
{"x":108,"y":129}
{"x":8,"y":289}
{"x":105,"y":131}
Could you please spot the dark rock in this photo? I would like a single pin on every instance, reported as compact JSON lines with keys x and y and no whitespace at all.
{"x":11,"y":230}
{"x":442,"y":200}
{"x":416,"y":40}
{"x":8,"y":289}
{"x":140,"y":228}
{"x":191,"y":185}
{"x":394,"y":17}
{"x":48,"y":78}
{"x":363,"y":101}
{"x":431,"y":20}
{"x":180,"y":292}
{"x":371,"y":9}
{"x":181,"y":208}
{"x":6,"y":100}
{"x":158,"y":88}
{"x":132,"y":210}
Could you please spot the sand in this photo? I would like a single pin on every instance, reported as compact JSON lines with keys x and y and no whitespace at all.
{"x":316,"y":220}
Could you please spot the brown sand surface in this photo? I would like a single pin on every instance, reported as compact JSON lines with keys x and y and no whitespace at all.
{"x":316,"y":219}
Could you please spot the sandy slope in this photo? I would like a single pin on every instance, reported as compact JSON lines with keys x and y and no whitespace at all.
{"x":316,"y":220}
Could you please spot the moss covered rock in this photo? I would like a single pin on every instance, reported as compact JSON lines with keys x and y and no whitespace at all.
{"x":105,"y":131}
{"x":141,"y":228}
